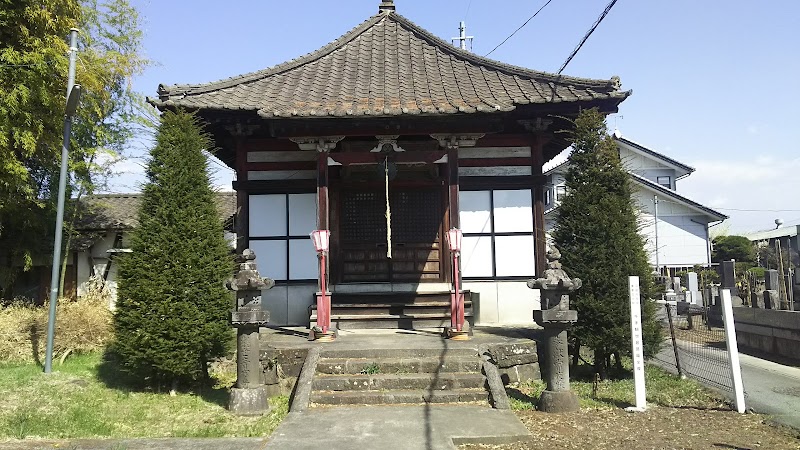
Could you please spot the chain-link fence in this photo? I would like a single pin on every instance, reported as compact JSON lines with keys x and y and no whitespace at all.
{"x":694,"y":344}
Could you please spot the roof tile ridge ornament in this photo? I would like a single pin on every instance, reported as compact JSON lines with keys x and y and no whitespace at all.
{"x":386,"y":7}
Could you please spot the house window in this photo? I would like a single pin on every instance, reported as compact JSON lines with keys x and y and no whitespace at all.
{"x":547,"y":196}
{"x":561,"y":192}
{"x":665,"y":181}
{"x":279,"y":229}
{"x":498,"y":234}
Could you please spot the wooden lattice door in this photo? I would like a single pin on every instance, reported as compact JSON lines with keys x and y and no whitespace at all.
{"x":416,"y":235}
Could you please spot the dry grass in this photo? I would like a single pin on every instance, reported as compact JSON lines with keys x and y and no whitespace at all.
{"x":82,"y":326}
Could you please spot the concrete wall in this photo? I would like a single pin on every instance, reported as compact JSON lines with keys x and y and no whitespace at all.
{"x":504,"y":302}
{"x":770,"y":331}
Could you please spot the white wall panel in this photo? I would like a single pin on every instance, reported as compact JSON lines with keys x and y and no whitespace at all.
{"x":514,"y":256}
{"x":516,"y":302}
{"x":512,"y":211}
{"x":300,"y":298}
{"x":302,"y":214}
{"x":267,"y":215}
{"x":474,"y":209}
{"x":271,"y":258}
{"x":275,"y":301}
{"x":476,"y":256}
{"x":302,"y":260}
{"x":486,"y":308}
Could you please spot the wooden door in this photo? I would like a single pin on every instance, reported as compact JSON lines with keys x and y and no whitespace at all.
{"x":417,"y":229}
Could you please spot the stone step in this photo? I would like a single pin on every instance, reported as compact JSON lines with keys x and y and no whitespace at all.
{"x":374,"y":353}
{"x":417,"y":396}
{"x":390,"y":321}
{"x":399,"y":381}
{"x":341,"y":366}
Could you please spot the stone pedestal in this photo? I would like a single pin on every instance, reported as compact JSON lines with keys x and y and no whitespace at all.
{"x":250,"y":396}
{"x":556,"y":318}
{"x":249,"y":401}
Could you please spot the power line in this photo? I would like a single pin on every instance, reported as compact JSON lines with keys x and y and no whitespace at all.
{"x":467,"y":12}
{"x":520,"y":27}
{"x":589,"y":33}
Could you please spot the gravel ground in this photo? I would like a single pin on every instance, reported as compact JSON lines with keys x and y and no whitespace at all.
{"x":657,"y":428}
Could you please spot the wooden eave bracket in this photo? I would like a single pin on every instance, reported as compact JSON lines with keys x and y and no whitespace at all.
{"x":318,"y":143}
{"x":454,"y":141}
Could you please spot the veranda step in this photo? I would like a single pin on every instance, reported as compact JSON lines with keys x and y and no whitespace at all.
{"x":399,"y":381}
{"x":417,"y":396}
{"x":427,"y":304}
{"x":341,"y":366}
{"x":390,"y":316}
{"x":385,"y":353}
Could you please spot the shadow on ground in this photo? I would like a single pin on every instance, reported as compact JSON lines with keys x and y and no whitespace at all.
{"x":112,"y":376}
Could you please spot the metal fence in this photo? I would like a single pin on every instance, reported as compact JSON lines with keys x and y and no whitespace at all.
{"x":694,"y":345}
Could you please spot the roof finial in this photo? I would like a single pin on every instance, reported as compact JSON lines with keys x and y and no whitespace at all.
{"x":386,"y":6}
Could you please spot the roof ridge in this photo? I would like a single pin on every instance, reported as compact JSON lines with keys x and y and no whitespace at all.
{"x":177,"y":89}
{"x":498,"y":65}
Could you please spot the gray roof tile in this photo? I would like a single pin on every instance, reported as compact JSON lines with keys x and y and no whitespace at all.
{"x":387,"y":66}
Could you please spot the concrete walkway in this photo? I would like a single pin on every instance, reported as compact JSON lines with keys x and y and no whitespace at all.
{"x":424,"y":427}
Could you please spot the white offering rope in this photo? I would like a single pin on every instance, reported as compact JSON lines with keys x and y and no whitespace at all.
{"x":388,"y":211}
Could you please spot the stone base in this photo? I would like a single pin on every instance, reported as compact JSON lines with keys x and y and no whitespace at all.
{"x":558,"y":402}
{"x":249,"y":401}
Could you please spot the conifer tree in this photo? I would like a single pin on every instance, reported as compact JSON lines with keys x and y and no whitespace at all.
{"x":172,"y":309}
{"x":597,"y":232}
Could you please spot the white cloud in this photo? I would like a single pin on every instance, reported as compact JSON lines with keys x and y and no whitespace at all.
{"x":753,"y":192}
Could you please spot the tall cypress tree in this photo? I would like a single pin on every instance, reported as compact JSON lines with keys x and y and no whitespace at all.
{"x":172,"y":311}
{"x":597,"y":232}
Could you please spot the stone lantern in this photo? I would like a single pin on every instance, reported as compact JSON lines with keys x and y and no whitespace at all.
{"x":249,"y":397}
{"x":556,"y":317}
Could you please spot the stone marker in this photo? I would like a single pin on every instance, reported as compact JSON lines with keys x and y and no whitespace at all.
{"x":250,"y":396}
{"x":556,"y":318}
{"x":771,"y":279}
{"x":771,"y":299}
{"x":729,"y":281}
{"x":693,"y":289}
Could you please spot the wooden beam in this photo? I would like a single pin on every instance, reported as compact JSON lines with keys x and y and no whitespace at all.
{"x":375,"y":157}
{"x":537,"y":191}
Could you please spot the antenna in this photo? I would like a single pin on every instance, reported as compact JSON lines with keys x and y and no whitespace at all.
{"x":778,"y":223}
{"x":462,"y":37}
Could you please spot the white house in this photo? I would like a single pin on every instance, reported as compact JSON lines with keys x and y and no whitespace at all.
{"x":675,"y":227}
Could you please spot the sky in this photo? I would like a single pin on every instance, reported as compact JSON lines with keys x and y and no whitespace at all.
{"x":714,"y":82}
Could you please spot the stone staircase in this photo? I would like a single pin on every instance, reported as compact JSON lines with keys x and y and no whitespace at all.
{"x":407,"y":310}
{"x":399,"y":376}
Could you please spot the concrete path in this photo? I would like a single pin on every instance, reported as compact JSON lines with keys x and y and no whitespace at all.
{"x":430,"y":427}
{"x":772,"y":389}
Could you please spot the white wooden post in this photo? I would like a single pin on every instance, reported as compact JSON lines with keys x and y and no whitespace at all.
{"x":636,"y":343}
{"x":733,"y":351}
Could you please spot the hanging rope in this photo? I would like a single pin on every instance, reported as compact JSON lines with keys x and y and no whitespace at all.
{"x":388,"y":210}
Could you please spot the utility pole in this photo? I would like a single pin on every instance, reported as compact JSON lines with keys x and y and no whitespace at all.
{"x":655,"y":227}
{"x":462,"y":36}
{"x":73,"y":95}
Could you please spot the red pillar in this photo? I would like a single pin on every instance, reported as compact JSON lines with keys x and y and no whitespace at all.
{"x":323,"y":302}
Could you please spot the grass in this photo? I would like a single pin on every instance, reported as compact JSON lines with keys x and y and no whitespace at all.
{"x":371,"y":369}
{"x":75,"y":402}
{"x":663,"y":389}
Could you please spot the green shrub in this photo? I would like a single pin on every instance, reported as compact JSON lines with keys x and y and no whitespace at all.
{"x":172,"y":311}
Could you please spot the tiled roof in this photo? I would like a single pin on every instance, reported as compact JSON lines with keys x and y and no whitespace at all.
{"x":387,"y":66}
{"x":120,"y":211}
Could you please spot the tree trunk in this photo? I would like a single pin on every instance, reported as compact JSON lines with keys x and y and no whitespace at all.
{"x":174,"y":389}
{"x":617,"y":361}
{"x":576,"y":356}
{"x":600,"y":364}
